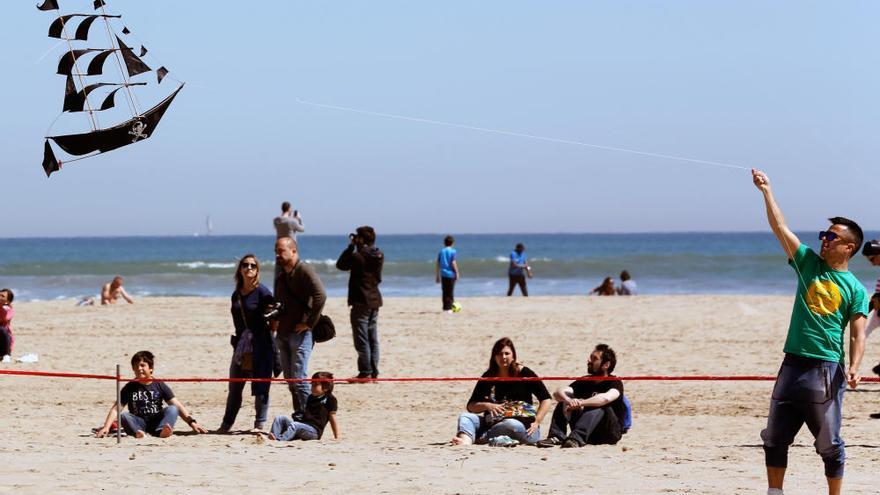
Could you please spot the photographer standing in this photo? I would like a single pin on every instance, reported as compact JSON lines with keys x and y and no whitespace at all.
{"x":364,"y":260}
{"x":302,"y":297}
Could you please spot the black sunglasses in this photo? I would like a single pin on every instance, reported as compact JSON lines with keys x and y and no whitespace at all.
{"x":248,"y":265}
{"x":827,"y":235}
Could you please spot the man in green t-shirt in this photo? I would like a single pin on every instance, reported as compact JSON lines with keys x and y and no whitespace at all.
{"x":811,"y":381}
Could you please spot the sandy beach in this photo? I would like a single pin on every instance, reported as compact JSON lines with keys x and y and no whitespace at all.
{"x":688,"y":437}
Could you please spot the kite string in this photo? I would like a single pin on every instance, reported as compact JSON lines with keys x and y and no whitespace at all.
{"x":521,"y":134}
{"x":133,"y":103}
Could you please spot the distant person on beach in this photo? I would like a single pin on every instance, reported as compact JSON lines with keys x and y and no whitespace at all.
{"x":288,"y":223}
{"x":446,"y":272}
{"x":518,"y":270}
{"x":593,"y":409}
{"x":872,"y":254}
{"x":811,"y":381}
{"x":113,"y":290}
{"x":253,"y":353}
{"x":502,"y":412}
{"x":320,"y":409}
{"x":606,"y":288}
{"x":302,"y":297}
{"x":7,"y":340}
{"x":144,"y":399}
{"x":628,"y":286}
{"x":364,"y":260}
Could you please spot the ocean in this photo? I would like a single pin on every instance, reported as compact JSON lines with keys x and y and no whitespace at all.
{"x":563,"y":264}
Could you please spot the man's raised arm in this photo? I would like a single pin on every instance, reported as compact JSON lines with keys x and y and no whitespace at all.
{"x":787,"y":239}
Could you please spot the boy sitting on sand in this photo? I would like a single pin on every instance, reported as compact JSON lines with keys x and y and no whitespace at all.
{"x":320,"y":408}
{"x":144,"y":400}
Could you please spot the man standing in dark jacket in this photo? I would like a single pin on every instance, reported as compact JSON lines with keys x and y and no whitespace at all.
{"x":365,"y":261}
{"x":302,"y":295}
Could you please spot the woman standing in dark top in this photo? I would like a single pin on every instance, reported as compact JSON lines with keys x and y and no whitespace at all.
{"x":495,"y":400}
{"x":254,"y":354}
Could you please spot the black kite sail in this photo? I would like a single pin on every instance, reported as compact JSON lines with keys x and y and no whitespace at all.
{"x":83,"y":69}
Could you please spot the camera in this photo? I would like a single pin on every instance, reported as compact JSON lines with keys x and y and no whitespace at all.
{"x":273,"y":311}
{"x":872,"y":248}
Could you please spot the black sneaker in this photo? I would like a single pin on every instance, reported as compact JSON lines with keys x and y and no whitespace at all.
{"x":876,"y":369}
{"x":548,"y":442}
{"x":570,"y":443}
{"x":874,"y":415}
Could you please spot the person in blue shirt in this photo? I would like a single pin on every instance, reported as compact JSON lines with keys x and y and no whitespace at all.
{"x":447,"y":272}
{"x":518,"y":270}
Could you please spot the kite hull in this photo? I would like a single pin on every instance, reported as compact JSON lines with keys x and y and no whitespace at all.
{"x":103,"y":140}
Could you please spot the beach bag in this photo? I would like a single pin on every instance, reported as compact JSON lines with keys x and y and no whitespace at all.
{"x":514,"y":409}
{"x":324,"y":330}
{"x":244,"y":351}
{"x":244,"y":348}
{"x":627,"y":420}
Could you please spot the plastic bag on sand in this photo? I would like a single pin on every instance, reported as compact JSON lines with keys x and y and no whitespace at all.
{"x":28,"y":358}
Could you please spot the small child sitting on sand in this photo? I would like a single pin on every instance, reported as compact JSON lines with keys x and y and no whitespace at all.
{"x":320,"y":408}
{"x":144,"y":398}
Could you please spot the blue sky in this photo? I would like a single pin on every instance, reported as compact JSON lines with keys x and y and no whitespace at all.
{"x":787,"y":86}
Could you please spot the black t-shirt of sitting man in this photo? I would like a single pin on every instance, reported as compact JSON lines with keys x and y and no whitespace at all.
{"x":588,"y":388}
{"x":318,"y":409}
{"x":145,"y":400}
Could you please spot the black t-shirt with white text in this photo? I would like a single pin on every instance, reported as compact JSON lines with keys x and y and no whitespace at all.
{"x":318,"y":409}
{"x":145,"y":400}
{"x":588,"y":388}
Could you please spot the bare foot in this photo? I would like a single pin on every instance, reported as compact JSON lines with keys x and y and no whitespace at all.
{"x":271,"y":436}
{"x":461,"y":439}
{"x":166,"y":432}
{"x":139,"y":434}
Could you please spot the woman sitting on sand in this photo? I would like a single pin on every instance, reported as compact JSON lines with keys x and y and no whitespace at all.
{"x":606,"y":289}
{"x":254,"y":354}
{"x":499,"y":409}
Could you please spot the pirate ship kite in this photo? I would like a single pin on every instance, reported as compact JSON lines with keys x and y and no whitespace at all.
{"x":90,"y":93}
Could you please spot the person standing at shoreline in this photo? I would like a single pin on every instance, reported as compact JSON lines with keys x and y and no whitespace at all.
{"x":811,"y":381}
{"x":287,"y":225}
{"x":446,"y":272}
{"x":518,"y":270}
{"x":364,"y":260}
{"x":302,"y":296}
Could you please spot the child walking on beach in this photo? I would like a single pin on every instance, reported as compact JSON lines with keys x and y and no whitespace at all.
{"x":144,"y":398}
{"x":320,"y":409}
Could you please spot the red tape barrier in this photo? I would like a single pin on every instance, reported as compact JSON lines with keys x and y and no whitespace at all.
{"x":676,"y":378}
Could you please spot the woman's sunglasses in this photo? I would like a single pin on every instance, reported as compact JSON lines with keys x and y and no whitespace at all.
{"x":249,"y":265}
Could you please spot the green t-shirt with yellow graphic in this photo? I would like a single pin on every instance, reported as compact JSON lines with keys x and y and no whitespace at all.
{"x":826,"y":300}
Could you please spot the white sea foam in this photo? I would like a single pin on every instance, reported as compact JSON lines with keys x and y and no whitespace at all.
{"x":193,"y":265}
{"x":327,"y":262}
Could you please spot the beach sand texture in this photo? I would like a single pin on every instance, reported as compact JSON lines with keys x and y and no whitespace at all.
{"x":688,"y":437}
